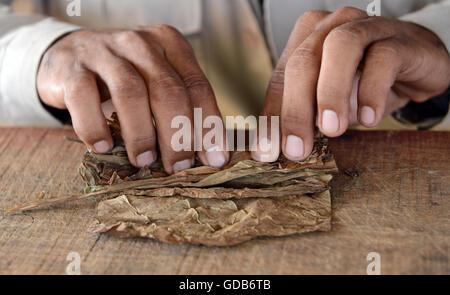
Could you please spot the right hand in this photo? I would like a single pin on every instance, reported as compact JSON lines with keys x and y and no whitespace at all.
{"x":149,"y":74}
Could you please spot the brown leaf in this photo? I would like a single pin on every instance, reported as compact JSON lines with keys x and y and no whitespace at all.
{"x":210,"y":206}
{"x":212,"y":222}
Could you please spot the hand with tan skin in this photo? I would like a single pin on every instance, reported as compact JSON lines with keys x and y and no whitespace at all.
{"x":345,"y":67}
{"x":150,"y":74}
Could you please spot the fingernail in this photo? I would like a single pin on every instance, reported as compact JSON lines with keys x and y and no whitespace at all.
{"x":265,"y":151}
{"x":181,"y":165}
{"x":102,"y":147}
{"x":330,"y":121}
{"x":145,"y":159}
{"x":215,"y":157}
{"x":367,"y":115}
{"x":294,"y":147}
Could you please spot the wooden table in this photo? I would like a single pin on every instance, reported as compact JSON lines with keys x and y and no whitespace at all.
{"x":393,"y":199}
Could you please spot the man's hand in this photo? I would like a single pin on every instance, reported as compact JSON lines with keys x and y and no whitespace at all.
{"x":150,"y":74}
{"x":328,"y":54}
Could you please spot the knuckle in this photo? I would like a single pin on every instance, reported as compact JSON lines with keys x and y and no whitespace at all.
{"x":196,"y":80}
{"x":311,"y":17}
{"x":166,"y":80}
{"x":132,"y":84}
{"x":128,"y":90}
{"x":60,"y":54}
{"x":78,"y":80}
{"x":277,"y":80}
{"x":172,"y":88}
{"x":168,"y":30}
{"x":139,"y":42}
{"x":74,"y":88}
{"x":331,"y":95}
{"x":347,"y":33}
{"x":127,"y":37}
{"x":305,"y":53}
{"x":382,"y":50}
{"x":84,"y":35}
{"x":176,"y":37}
{"x":349,"y":12}
{"x":301,"y":58}
{"x":291,"y":121}
{"x":139,"y":142}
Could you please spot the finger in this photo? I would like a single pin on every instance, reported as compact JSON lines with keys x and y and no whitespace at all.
{"x":272,"y":106}
{"x":129,"y":96}
{"x":343,"y":51}
{"x":266,"y":146}
{"x":298,"y":106}
{"x":83,"y":102}
{"x":169,"y":99}
{"x":304,"y":27}
{"x":382,"y":63}
{"x":180,"y":55}
{"x":301,"y":75}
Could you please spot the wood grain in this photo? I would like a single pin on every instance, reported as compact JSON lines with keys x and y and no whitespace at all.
{"x":394,"y":199}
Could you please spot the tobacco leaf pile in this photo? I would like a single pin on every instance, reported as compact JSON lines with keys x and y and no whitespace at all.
{"x":210,"y":206}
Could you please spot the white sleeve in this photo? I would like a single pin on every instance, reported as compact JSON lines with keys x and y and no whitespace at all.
{"x":23,"y":41}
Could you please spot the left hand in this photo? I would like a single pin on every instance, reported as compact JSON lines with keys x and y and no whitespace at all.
{"x":317,"y":76}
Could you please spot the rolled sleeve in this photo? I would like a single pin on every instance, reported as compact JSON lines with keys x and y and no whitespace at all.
{"x":23,"y":49}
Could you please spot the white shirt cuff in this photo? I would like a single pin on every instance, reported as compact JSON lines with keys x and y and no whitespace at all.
{"x":19,"y":70}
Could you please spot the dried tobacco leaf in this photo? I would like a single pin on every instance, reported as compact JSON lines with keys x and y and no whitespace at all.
{"x":212,"y":222}
{"x":206,"y":205}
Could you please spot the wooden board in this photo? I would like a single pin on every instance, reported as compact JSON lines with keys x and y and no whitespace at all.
{"x":398,"y":206}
